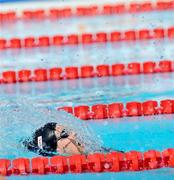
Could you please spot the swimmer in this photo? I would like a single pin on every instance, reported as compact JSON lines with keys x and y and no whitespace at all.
{"x":53,"y":139}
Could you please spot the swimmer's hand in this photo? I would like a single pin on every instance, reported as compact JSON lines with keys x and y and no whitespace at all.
{"x":72,"y":135}
{"x":69,"y":146}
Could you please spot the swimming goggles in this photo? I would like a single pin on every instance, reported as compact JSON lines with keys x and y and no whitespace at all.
{"x":63,"y":134}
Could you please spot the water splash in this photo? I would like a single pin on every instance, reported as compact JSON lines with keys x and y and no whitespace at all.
{"x":20,"y":118}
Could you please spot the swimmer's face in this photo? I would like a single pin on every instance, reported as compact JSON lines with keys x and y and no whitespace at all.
{"x":68,"y":145}
{"x":59,"y":129}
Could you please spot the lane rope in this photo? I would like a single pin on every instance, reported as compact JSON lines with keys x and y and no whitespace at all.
{"x":87,"y":38}
{"x":93,"y":163}
{"x":92,"y":10}
{"x":86,"y":71}
{"x":119,"y":110}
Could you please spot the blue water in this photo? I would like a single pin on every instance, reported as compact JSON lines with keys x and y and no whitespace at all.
{"x":135,"y":133}
{"x":109,"y":53}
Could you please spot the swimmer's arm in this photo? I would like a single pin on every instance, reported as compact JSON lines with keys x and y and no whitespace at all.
{"x":107,"y":150}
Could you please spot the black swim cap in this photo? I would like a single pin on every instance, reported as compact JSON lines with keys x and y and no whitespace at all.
{"x":44,"y":140}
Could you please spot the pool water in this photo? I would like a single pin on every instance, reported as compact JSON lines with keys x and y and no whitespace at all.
{"x":129,"y":133}
{"x":81,"y":24}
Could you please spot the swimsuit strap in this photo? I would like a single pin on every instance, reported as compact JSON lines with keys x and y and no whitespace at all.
{"x":66,"y":146}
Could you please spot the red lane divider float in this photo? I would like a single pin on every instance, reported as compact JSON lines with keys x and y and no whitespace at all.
{"x":93,"y":10}
{"x":87,"y":71}
{"x":87,"y":38}
{"x":118,"y":110}
{"x":93,"y":163}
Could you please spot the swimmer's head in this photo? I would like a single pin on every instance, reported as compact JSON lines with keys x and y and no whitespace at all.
{"x":52,"y":139}
{"x":45,"y":138}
